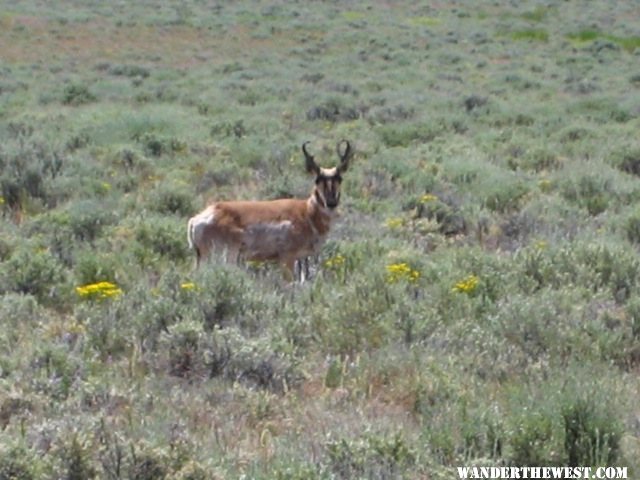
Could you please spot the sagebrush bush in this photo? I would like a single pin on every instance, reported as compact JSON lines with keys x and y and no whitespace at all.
{"x":374,"y":456}
{"x":531,"y":441}
{"x":506,"y":197}
{"x":18,"y":463}
{"x":592,"y":433}
{"x":172,"y":200}
{"x":161,"y":236}
{"x":87,"y":218}
{"x":77,"y":459}
{"x":632,"y":228}
{"x":157,"y":145}
{"x":36,"y":273}
{"x":77,"y":94}
{"x":91,"y":267}
{"x":403,"y":135}
{"x":28,"y":165}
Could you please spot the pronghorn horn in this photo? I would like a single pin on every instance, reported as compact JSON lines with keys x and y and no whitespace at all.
{"x":310,"y":163}
{"x":344,"y":157}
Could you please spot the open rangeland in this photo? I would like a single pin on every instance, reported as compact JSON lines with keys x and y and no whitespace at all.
{"x":476,"y":302}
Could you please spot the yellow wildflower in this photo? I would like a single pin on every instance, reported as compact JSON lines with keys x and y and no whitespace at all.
{"x":395,"y":223}
{"x":335,"y":262}
{"x":397,"y":272}
{"x":545,"y":185}
{"x":188,"y":286}
{"x":467,"y":285}
{"x":257,"y":265}
{"x":428,"y":197}
{"x":1,"y":200}
{"x":540,"y":245}
{"x":99,"y":291}
{"x":76,"y":328}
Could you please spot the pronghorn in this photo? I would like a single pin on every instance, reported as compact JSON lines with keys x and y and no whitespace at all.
{"x":283,"y":230}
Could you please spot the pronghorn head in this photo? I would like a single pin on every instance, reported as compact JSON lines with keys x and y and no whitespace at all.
{"x":327,"y":188}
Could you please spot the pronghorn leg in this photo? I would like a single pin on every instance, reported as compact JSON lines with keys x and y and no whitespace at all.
{"x":198,"y":259}
{"x":288,"y":270}
{"x":297,"y":272}
{"x":302,"y":269}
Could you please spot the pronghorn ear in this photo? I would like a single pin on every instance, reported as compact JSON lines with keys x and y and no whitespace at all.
{"x":345,"y":156}
{"x":309,"y":162}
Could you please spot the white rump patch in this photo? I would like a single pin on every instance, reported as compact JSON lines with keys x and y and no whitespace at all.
{"x":198,"y":223}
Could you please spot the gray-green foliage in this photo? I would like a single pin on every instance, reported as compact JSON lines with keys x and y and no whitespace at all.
{"x":477,"y":300}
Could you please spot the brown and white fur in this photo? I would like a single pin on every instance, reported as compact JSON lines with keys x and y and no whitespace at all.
{"x":281,"y":231}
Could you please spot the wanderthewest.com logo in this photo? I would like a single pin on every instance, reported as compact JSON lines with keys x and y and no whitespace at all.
{"x":541,"y":472}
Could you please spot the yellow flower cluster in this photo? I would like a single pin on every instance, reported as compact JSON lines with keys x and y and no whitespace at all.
{"x":541,"y":245}
{"x":100,"y":290}
{"x":397,"y":272}
{"x":428,"y":197}
{"x":395,"y":223}
{"x":334,"y":263}
{"x":188,"y":286}
{"x":545,"y":185}
{"x":468,"y":285}
{"x":256,"y":264}
{"x":1,"y":200}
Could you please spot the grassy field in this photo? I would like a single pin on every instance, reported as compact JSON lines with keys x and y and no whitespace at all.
{"x":478,"y":302}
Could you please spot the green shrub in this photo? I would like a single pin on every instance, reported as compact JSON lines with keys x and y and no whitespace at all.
{"x":172,"y":200}
{"x":17,"y":464}
{"x":373,"y":456}
{"x":505,"y":197}
{"x":538,"y":14}
{"x":57,"y":369}
{"x":297,"y":471}
{"x":354,"y":321}
{"x":93,"y":267}
{"x":627,"y":160}
{"x":36,"y":273}
{"x":592,"y":433}
{"x":235,"y":129}
{"x":333,"y":110}
{"x":157,"y":145}
{"x":131,"y":71}
{"x":182,"y":343}
{"x":531,"y":441}
{"x":193,"y":471}
{"x":537,"y":160}
{"x":27,"y":168}
{"x":223,"y":296}
{"x":6,"y":248}
{"x":590,"y":191}
{"x":449,"y":218}
{"x":77,"y":459}
{"x":403,"y":135}
{"x":77,"y":94}
{"x":87,"y":218}
{"x":252,"y":362}
{"x":148,"y":464}
{"x":530,"y":34}
{"x":162,"y":236}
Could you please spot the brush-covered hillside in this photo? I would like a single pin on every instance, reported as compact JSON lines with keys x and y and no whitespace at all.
{"x":477,"y":303}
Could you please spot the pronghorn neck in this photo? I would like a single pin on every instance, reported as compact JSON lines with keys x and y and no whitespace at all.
{"x":320,"y":215}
